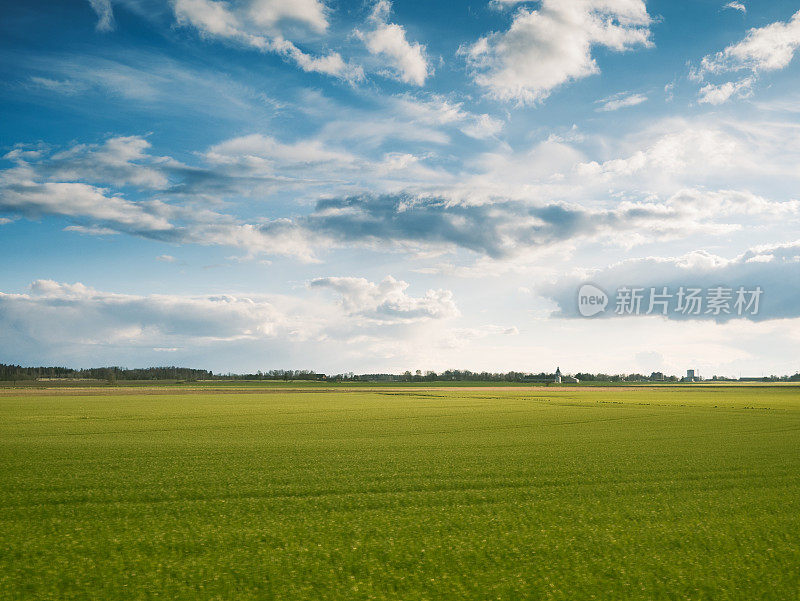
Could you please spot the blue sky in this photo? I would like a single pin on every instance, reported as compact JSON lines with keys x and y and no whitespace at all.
{"x":376,"y":186}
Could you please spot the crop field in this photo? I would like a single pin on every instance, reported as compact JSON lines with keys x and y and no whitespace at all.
{"x":673,"y":492}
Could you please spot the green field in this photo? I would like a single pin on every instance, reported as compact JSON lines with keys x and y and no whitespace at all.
{"x":682,"y":492}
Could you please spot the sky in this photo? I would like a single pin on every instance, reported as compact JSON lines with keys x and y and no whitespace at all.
{"x":385,"y":186}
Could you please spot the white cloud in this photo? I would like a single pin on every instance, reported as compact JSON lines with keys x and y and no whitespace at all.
{"x":736,"y":6}
{"x":260,"y":152}
{"x":73,"y":316}
{"x":214,"y":17}
{"x":719,"y":94}
{"x":548,"y":47}
{"x":34,"y":199}
{"x":407,"y":60}
{"x":438,"y":110}
{"x":166,"y":258}
{"x":702,"y":203}
{"x":268,"y":14}
{"x":91,"y":230}
{"x":279,"y":237}
{"x":387,"y":300}
{"x":482,"y":127}
{"x":767,"y":48}
{"x":672,"y":152}
{"x":313,"y":162}
{"x":622,"y":100}
{"x":715,"y":152}
{"x":105,"y":14}
{"x":217,"y":19}
{"x":120,"y":161}
{"x":502,"y":4}
{"x":371,"y":131}
{"x":54,"y":312}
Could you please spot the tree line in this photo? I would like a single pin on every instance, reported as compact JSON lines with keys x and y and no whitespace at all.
{"x":19,"y":373}
{"x":458,"y":375}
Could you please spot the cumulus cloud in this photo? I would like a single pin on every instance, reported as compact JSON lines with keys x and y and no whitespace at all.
{"x":34,"y":200}
{"x":387,"y":300}
{"x":105,"y":14}
{"x":406,"y":60}
{"x":767,"y":48}
{"x":719,"y":94}
{"x":256,"y":26}
{"x":763,"y":49}
{"x":121,"y":161}
{"x":621,"y":100}
{"x":75,"y":315}
{"x":59,"y":313}
{"x":775,"y":269}
{"x":548,"y":47}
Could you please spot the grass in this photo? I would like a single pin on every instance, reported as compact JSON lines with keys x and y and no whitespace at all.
{"x":609,"y":493}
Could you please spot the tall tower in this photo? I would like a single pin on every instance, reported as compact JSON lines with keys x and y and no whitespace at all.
{"x":558,"y":375}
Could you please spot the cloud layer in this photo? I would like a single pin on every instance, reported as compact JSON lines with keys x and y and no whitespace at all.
{"x":62,"y":314}
{"x":775,"y":269}
{"x":118,"y":186}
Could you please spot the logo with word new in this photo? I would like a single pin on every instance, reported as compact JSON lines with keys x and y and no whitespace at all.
{"x":717,"y":302}
{"x":591,"y":300}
